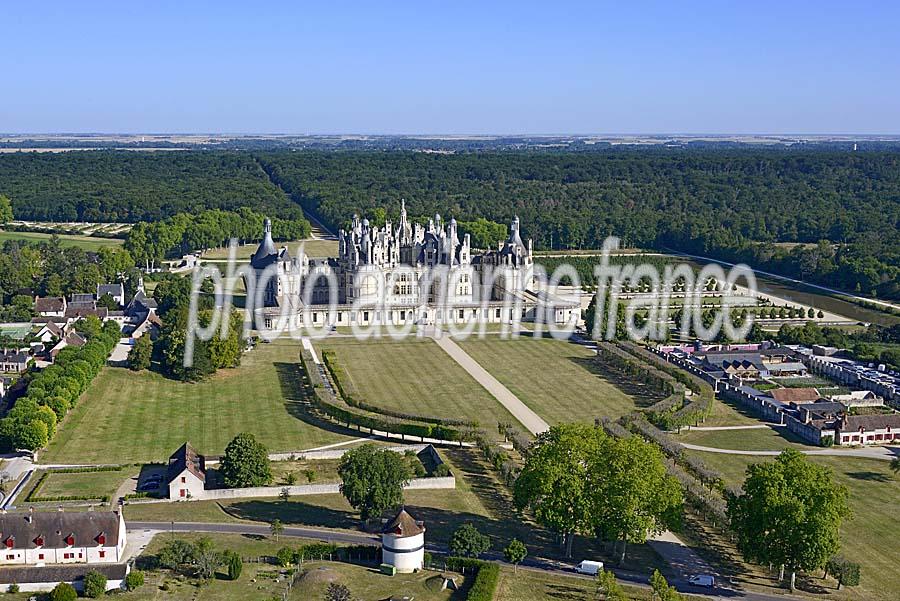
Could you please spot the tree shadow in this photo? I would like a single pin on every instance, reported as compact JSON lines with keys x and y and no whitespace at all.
{"x":869,"y":476}
{"x":642,"y":394}
{"x":294,"y":387}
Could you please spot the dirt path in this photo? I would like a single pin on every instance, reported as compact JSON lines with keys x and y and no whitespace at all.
{"x":528,"y":418}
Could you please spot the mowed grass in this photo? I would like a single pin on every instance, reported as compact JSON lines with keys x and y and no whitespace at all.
{"x":866,"y":537}
{"x":86,"y":242}
{"x":416,"y":376}
{"x":755,"y":439}
{"x":82,"y":484}
{"x":313,"y":248}
{"x":559,"y":380}
{"x":135,"y":417}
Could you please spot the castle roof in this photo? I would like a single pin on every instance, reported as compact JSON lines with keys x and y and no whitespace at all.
{"x":265,"y":253}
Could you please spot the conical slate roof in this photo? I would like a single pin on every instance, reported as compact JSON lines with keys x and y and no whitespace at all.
{"x":266,"y":252}
{"x":403,"y":525}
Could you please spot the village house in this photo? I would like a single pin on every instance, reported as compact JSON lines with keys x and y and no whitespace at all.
{"x":14,"y":361}
{"x":795,"y":395}
{"x":859,"y":398}
{"x":116,"y":291}
{"x":186,"y":473}
{"x":50,"y":306}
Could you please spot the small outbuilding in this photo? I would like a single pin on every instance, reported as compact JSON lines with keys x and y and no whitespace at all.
{"x":403,"y":543}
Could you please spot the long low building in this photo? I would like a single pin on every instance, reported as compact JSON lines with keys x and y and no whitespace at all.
{"x":40,"y":538}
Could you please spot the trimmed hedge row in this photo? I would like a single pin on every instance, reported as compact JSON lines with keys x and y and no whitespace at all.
{"x":54,"y":390}
{"x":352,"y":397}
{"x":486,"y":577}
{"x":694,"y":411}
{"x":324,"y":403}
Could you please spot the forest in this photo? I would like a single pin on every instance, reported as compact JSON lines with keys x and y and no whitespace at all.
{"x":829,"y":216}
{"x":130,"y":186}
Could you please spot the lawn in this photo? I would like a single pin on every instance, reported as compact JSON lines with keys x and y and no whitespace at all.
{"x":313,"y":248}
{"x":138,"y":417}
{"x":874,"y":493}
{"x":96,"y":485}
{"x":89,"y":243}
{"x":755,"y":439}
{"x":415,"y":376}
{"x":528,"y":585}
{"x":558,"y":380}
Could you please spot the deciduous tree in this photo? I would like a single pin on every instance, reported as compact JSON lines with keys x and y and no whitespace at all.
{"x":372,"y":479}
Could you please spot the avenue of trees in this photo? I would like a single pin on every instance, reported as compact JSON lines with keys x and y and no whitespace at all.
{"x":54,"y":390}
{"x":151,"y":242}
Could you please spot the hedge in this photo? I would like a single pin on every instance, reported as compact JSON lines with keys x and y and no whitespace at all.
{"x":486,"y":577}
{"x":329,"y":406}
{"x":32,"y":496}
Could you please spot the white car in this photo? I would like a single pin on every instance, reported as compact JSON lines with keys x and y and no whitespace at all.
{"x":704,"y":580}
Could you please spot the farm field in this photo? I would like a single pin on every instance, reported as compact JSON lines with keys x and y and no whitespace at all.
{"x":874,"y":491}
{"x":136,"y":417}
{"x":558,"y":380}
{"x":88,"y":243}
{"x":415,"y":376}
{"x":756,"y":439}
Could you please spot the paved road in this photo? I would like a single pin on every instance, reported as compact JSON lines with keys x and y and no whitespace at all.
{"x":528,"y":418}
{"x":146,"y":530}
{"x":883,"y":453}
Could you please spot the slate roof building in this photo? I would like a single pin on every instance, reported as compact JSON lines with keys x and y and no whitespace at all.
{"x":186,"y":473}
{"x":38,"y":538}
{"x":403,"y":273}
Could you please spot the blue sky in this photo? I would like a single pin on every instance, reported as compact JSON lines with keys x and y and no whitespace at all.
{"x":451,"y":67}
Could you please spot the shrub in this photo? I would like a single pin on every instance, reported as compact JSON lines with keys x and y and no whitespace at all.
{"x":63,"y":592}
{"x":134,"y":580}
{"x":13,"y":588}
{"x":485,"y":583}
{"x":94,"y":584}
{"x":234,"y":564}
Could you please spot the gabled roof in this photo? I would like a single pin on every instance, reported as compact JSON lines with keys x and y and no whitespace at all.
{"x":79,"y":312}
{"x":110,"y":289}
{"x":186,"y":458}
{"x":55,"y":526}
{"x":795,"y":395}
{"x":49,"y":304}
{"x":403,"y":525}
{"x":852,"y":423}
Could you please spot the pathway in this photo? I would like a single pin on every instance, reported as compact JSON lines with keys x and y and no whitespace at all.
{"x":883,"y":453}
{"x":528,"y":418}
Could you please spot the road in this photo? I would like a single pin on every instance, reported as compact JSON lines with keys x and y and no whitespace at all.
{"x":883,"y":453}
{"x":145,"y":529}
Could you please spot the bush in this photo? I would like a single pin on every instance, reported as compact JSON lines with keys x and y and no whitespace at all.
{"x":63,"y":592}
{"x":234,"y":564}
{"x":441,"y":471}
{"x":13,"y":588}
{"x":134,"y":580}
{"x":94,"y":584}
{"x":485,"y":583}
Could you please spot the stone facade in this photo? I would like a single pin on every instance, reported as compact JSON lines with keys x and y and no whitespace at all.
{"x":403,"y":274}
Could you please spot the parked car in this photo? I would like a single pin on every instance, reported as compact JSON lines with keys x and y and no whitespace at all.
{"x":150,"y":485}
{"x":704,"y":580}
{"x":589,"y":567}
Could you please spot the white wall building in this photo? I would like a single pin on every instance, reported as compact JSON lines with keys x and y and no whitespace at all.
{"x":403,"y":543}
{"x":52,"y":538}
{"x":186,"y":474}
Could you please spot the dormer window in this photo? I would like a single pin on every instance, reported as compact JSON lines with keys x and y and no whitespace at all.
{"x":70,"y":540}
{"x":39,"y":541}
{"x":10,"y":542}
{"x":101,"y":539}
